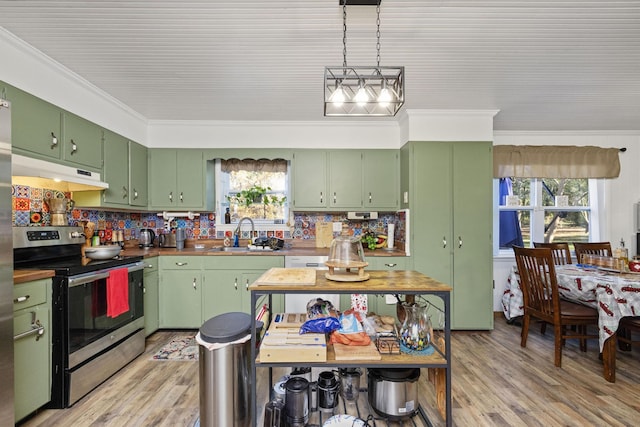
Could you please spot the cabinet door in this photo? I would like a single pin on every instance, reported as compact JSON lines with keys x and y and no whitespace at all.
{"x":116,"y":168}
{"x":180,"y":298}
{"x":138,"y":171}
{"x":151,"y":296}
{"x":381,"y":179}
{"x":345,"y":179}
{"x":35,"y":124}
{"x":472,"y":219}
{"x":82,"y":141}
{"x":385,"y":305}
{"x":310,"y":179}
{"x":32,"y":362}
{"x":222,"y":292}
{"x":162,"y":178}
{"x":190,"y":179}
{"x":431,"y":210}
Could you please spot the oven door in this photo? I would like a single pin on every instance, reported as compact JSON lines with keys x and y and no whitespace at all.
{"x":91,"y":325}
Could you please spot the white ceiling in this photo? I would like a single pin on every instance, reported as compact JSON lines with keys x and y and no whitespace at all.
{"x":546,"y":65}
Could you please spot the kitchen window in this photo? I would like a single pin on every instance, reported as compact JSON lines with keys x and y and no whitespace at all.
{"x":546,"y":210}
{"x":252,"y":188}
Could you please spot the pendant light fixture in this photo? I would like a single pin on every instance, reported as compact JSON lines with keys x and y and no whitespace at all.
{"x":362,"y":90}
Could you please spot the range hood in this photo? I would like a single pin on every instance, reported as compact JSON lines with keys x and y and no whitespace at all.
{"x":43,"y":174}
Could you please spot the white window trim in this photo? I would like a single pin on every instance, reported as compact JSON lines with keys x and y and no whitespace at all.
{"x":598,"y":215}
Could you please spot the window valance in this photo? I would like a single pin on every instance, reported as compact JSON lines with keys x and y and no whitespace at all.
{"x":254,"y":165}
{"x":555,"y":161}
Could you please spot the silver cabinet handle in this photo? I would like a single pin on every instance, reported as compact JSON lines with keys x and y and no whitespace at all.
{"x":171,"y":196}
{"x":444,"y":241}
{"x":194,"y":283}
{"x":54,"y":140}
{"x":335,"y":197}
{"x":181,"y":264}
{"x":370,"y":198}
{"x":135,"y":194}
{"x":148,"y":266}
{"x":235,"y":283}
{"x":21,"y":299}
{"x":459,"y":242}
{"x":125,"y":192}
{"x":74,"y":147}
{"x":144,"y":290}
{"x":181,"y":198}
{"x":36,"y":329}
{"x":321,"y":197}
{"x":391,"y":264}
{"x":246,"y":285}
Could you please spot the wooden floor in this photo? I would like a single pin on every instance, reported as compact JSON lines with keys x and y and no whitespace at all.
{"x":495,"y":383}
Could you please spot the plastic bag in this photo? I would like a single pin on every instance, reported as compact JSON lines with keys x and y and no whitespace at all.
{"x":321,"y":325}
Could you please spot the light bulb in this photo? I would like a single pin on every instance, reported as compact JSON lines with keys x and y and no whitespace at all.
{"x":385,"y":97}
{"x":361,"y":97}
{"x":337,"y":97}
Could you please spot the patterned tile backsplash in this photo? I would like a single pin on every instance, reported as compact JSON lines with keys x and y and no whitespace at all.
{"x":30,"y":209}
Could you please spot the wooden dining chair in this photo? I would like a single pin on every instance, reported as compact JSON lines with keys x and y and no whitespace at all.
{"x":560,"y":251}
{"x":593,"y":248}
{"x":628,"y":326}
{"x":542,"y":301}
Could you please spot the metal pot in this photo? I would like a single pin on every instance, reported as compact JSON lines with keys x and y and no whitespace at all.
{"x":393,"y":393}
{"x":102,"y":252}
{"x":147,"y":237}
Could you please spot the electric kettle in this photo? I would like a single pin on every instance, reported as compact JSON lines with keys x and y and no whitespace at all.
{"x":147,"y":236}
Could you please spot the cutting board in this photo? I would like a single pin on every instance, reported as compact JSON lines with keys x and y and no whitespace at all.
{"x":324,"y":234}
{"x":356,"y":352}
{"x":287,"y":276}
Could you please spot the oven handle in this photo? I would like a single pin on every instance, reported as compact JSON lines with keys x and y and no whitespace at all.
{"x":88,"y":278}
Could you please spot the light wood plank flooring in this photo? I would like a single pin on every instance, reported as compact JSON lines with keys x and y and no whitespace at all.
{"x":495,"y":383}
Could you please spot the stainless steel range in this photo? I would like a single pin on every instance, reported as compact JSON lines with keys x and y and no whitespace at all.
{"x":92,"y":339}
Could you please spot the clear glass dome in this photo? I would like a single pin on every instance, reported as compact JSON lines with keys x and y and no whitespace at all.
{"x":346,"y":253}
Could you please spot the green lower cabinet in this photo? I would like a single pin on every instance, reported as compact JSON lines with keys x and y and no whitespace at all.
{"x":151,"y":296}
{"x":380,"y":304}
{"x":180,"y":298}
{"x":32,"y":351}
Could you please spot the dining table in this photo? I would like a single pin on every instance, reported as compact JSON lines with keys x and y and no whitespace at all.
{"x":614,"y":294}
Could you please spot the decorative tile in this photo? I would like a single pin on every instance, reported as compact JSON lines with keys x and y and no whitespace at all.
{"x":22,"y":191}
{"x":36,"y":205}
{"x":23,"y":204}
{"x":35,"y":218}
{"x":36,"y":193}
{"x":23,"y":218}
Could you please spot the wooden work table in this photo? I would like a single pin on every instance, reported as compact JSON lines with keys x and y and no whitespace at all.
{"x":379,"y":282}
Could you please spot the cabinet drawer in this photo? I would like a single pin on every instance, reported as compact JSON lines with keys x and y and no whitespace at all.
{"x":27,"y":295}
{"x":180,"y":262}
{"x":239,"y":262}
{"x":150,"y":265}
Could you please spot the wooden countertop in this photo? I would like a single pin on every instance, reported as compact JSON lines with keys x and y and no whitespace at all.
{"x":22,"y":276}
{"x":379,"y":282}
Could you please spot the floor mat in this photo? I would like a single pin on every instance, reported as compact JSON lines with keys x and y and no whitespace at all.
{"x":182,"y":348}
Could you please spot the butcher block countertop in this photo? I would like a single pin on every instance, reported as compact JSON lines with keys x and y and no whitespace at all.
{"x":23,"y":276}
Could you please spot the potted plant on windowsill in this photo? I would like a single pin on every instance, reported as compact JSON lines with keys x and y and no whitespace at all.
{"x":256,"y":194}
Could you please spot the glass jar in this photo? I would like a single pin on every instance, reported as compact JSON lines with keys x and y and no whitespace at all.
{"x":416,"y":330}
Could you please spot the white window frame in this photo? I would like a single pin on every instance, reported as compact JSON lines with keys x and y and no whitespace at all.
{"x":596,"y":208}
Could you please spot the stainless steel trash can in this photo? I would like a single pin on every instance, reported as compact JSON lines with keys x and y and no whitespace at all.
{"x":225,"y":371}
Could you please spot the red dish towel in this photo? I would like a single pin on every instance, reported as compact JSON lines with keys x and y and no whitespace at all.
{"x":118,"y":292}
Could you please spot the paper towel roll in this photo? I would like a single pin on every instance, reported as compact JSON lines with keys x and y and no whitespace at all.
{"x":390,"y":230}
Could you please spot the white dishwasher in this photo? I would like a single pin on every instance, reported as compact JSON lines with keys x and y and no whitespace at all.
{"x":297,"y":303}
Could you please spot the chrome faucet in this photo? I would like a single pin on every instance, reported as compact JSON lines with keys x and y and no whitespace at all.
{"x":237,"y":232}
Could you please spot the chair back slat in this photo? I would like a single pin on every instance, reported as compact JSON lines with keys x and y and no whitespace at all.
{"x":538,"y":279}
{"x":592,"y":248}
{"x":560,"y":251}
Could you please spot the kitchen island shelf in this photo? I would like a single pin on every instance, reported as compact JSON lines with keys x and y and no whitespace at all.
{"x":380,"y":282}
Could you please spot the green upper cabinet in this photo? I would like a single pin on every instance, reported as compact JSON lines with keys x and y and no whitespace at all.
{"x":176,"y":179}
{"x":40,"y":129}
{"x":310,"y":179}
{"x":450,"y":196}
{"x":82,"y":141}
{"x":116,"y":168}
{"x":36,"y":125}
{"x":138,"y":175}
{"x":381,"y":179}
{"x":345,"y":179}
{"x":125,"y":170}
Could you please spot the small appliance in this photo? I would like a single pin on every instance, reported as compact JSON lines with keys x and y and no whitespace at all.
{"x":167,"y":240}
{"x":147,"y":237}
{"x":297,"y":402}
{"x":393,"y":392}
